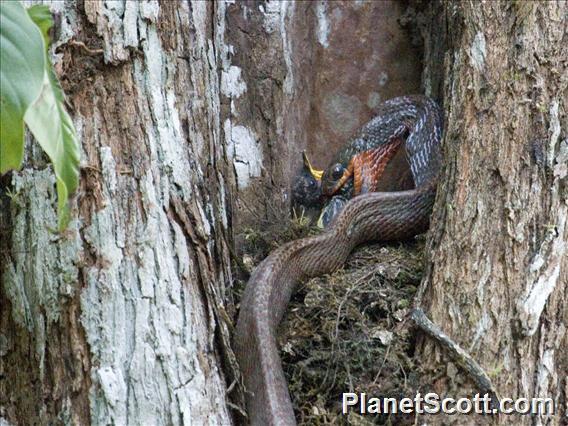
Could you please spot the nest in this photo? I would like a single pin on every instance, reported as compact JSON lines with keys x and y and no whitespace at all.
{"x":348,"y":331}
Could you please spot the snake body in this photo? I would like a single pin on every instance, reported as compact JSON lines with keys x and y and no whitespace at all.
{"x":374,"y":216}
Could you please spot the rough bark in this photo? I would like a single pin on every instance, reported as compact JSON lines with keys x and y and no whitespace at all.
{"x":192,"y":116}
{"x":498,"y":272}
{"x":298,"y":80}
{"x":117,"y":320}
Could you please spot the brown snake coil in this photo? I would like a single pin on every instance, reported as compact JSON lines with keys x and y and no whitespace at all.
{"x":376,"y":216}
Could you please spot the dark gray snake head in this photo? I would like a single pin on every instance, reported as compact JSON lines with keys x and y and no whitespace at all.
{"x":308,"y":191}
{"x":330,"y":178}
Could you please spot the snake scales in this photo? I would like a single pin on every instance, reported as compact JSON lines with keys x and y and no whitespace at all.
{"x":374,"y":216}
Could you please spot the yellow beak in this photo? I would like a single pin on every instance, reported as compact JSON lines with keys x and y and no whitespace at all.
{"x":315,"y":173}
{"x":319,"y":223}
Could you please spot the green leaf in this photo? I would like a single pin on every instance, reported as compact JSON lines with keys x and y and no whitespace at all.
{"x":41,"y":16}
{"x":22,"y":69}
{"x":31,"y":93}
{"x":53,"y":129}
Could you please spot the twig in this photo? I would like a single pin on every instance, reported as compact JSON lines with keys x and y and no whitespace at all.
{"x":382,"y":365}
{"x":87,"y":49}
{"x":460,"y":356}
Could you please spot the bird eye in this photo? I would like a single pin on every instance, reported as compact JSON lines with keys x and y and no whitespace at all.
{"x":337,"y":172}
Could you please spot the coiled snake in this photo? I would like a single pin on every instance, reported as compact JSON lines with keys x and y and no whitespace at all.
{"x":374,"y":216}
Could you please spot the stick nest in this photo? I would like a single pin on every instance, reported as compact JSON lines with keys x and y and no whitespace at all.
{"x":348,"y":331}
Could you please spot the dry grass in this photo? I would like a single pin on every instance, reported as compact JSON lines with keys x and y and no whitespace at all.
{"x":347,"y":332}
{"x":258,"y":243}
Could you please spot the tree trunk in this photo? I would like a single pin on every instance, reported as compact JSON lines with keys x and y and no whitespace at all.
{"x":192,"y":117}
{"x":498,"y":273}
{"x":116,"y":321}
{"x":298,"y":81}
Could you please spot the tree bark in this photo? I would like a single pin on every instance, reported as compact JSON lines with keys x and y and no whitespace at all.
{"x":298,"y":81}
{"x":192,"y":117}
{"x":498,"y":264}
{"x":117,"y":320}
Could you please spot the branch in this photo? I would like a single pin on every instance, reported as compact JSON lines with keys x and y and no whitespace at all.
{"x":460,"y":356}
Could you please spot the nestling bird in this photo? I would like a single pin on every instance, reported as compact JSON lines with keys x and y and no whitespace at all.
{"x":355,"y":170}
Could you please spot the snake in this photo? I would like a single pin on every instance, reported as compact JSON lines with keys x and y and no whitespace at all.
{"x":368,"y":216}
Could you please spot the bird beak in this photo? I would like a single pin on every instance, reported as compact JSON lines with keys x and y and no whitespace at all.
{"x":320,"y":223}
{"x":330,"y":211}
{"x":317,"y":174}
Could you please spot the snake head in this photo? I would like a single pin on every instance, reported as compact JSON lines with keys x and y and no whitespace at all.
{"x":330,"y":181}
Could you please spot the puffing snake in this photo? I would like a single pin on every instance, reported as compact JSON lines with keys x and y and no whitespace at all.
{"x":375,"y":216}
